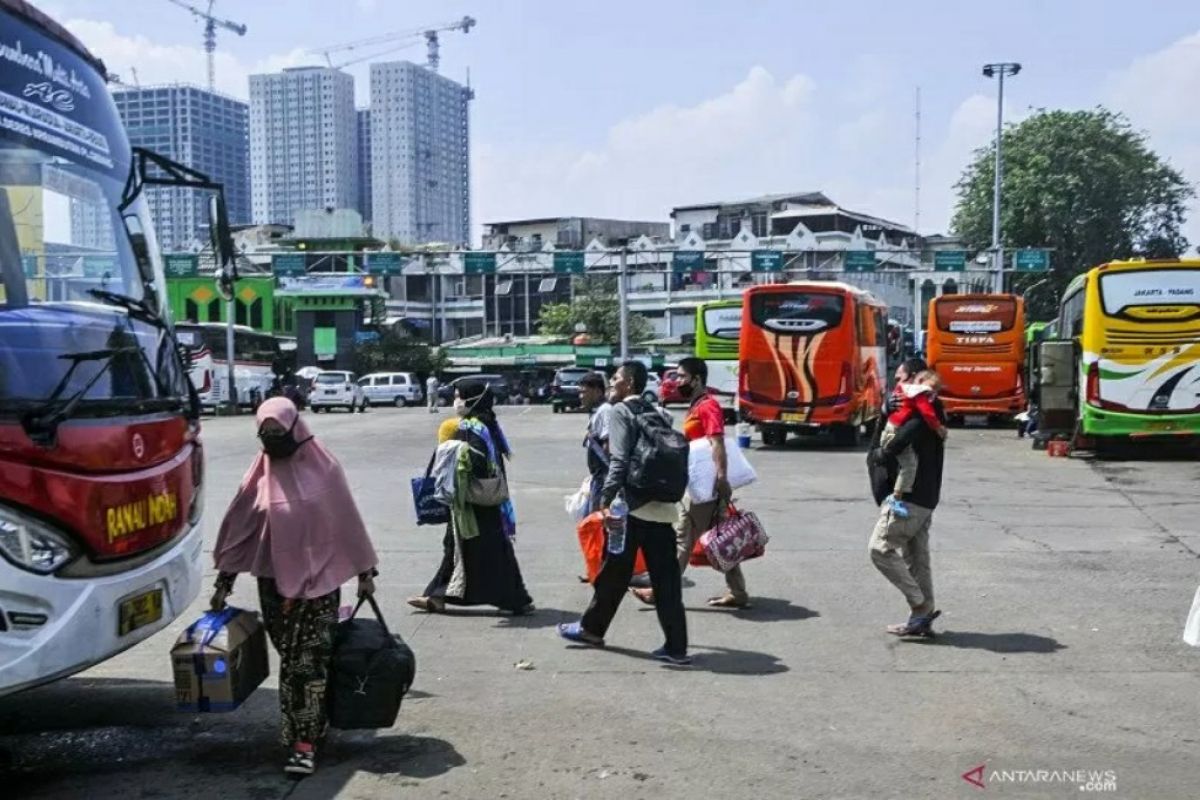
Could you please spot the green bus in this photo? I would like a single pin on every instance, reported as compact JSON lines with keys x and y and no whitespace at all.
{"x":718,"y":330}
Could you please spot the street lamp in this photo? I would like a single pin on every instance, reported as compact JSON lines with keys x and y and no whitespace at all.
{"x":999,"y":70}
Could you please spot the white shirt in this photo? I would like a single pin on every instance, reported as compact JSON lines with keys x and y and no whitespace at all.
{"x":431,"y":384}
{"x":598,"y":424}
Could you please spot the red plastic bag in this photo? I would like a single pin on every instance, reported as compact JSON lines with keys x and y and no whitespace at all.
{"x":591,"y":542}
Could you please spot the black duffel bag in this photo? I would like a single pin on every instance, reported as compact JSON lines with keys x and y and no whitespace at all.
{"x":371,"y":671}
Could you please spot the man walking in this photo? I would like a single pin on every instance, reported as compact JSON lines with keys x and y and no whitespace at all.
{"x":636,"y":429}
{"x":899,"y":545}
{"x":593,"y":395}
{"x":431,"y":393}
{"x":705,"y":420}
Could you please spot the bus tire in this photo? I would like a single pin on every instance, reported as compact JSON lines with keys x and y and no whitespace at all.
{"x":845,"y":435}
{"x":773,"y":436}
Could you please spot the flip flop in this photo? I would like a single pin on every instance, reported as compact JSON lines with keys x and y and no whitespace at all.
{"x":920,"y":626}
{"x":574,"y":632}
{"x":728,"y":601}
{"x":427,"y":604}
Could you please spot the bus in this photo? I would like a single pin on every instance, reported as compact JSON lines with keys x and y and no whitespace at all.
{"x":101,"y":462}
{"x":813,"y":355}
{"x":255,"y":354}
{"x":718,"y":330}
{"x":1137,"y":329}
{"x":976,"y":343}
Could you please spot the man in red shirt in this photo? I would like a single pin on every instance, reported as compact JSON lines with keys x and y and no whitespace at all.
{"x":705,"y":419}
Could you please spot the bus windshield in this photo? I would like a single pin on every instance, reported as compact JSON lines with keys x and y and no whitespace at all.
{"x":797,"y":312}
{"x":723,"y":322}
{"x":976,"y":316}
{"x":1167,"y":294}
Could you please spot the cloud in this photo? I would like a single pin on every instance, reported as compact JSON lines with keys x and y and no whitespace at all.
{"x":175,"y":63}
{"x":1158,"y":92}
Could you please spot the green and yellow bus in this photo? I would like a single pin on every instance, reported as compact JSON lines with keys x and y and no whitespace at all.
{"x":718,"y":330}
{"x":1137,"y":327}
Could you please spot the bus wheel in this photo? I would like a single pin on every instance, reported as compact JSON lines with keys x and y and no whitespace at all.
{"x":773,"y":436}
{"x":845,"y":435}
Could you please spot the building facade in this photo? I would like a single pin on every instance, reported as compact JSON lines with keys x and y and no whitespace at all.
{"x":420,"y":149}
{"x":303,"y":143}
{"x":363,"y":116}
{"x":567,"y":233}
{"x":203,"y":130}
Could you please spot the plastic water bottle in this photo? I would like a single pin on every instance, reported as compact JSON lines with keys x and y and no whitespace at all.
{"x":899,"y":508}
{"x":619,"y":510}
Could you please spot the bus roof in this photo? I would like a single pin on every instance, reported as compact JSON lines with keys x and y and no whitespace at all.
{"x":859,"y":293}
{"x":22,"y":9}
{"x":1130,"y":265}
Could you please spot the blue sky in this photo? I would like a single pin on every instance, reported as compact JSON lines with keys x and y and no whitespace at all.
{"x":629,"y":108}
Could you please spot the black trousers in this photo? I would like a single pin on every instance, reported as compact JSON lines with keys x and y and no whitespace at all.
{"x":657,"y":541}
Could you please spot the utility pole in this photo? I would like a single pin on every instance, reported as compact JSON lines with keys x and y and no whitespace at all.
{"x":999,"y":70}
{"x":623,"y":299}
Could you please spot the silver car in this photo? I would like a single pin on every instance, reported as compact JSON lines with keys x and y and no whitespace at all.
{"x":395,"y":388}
{"x":336,"y":389}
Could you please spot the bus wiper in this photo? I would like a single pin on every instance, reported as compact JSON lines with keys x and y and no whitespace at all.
{"x":41,"y":424}
{"x":139,"y":309}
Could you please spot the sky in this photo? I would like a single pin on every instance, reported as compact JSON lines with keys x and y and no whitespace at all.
{"x":627,"y":109}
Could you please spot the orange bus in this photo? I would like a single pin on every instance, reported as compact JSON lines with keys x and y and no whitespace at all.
{"x":976,"y":342}
{"x":812,"y":357}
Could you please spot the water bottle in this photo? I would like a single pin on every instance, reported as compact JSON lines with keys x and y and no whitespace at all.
{"x":616,"y":531}
{"x":898,"y":507}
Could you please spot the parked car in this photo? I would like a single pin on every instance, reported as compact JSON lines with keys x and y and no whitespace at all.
{"x":497,"y":383}
{"x":668,"y":390}
{"x":392,"y":388}
{"x":336,"y":389}
{"x":653,"y":388}
{"x":564,"y":389}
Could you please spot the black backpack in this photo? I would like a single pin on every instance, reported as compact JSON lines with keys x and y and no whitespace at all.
{"x":658,"y":467}
{"x":370,"y":673}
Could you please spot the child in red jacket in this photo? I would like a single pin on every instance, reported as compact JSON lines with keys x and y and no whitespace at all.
{"x":915,"y":398}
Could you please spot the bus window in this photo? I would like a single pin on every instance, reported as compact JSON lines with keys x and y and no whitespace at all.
{"x":797,"y":312}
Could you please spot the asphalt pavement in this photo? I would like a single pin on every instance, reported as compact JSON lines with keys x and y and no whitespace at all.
{"x":1064,"y":584}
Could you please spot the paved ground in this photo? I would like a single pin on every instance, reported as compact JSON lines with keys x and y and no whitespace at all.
{"x":1065,"y":586}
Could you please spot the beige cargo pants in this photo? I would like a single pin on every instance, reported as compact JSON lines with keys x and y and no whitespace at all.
{"x":694,"y":520}
{"x":899,"y":549}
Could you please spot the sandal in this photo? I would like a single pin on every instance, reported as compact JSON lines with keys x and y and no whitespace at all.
{"x":919,"y":626}
{"x":430,"y":605}
{"x":729,"y":601}
{"x":645,"y":595}
{"x":574,"y":632}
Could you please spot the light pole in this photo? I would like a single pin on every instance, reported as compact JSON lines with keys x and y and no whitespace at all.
{"x":999,"y":70}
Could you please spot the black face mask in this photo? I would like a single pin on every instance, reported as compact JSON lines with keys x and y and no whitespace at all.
{"x":281,"y":445}
{"x":687,"y":390}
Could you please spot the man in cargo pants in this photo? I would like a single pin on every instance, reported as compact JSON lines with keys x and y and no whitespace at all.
{"x":899,"y":544}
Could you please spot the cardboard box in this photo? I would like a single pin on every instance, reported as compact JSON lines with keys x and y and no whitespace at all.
{"x":219,"y":660}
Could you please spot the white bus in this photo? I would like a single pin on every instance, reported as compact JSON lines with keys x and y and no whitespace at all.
{"x":254,"y":354}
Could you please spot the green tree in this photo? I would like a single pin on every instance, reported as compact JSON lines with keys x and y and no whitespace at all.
{"x":397,"y":352}
{"x":1082,"y":182}
{"x":597,"y":307}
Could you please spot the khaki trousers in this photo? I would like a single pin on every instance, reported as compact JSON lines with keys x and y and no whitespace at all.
{"x":694,"y":520}
{"x":899,"y":549}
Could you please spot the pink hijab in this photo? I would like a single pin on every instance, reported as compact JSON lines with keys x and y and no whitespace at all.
{"x":294,"y":519}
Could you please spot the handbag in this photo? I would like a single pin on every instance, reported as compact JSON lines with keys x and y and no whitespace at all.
{"x":488,"y":492}
{"x":737,"y":538}
{"x":429,"y":510}
{"x":370,"y":672}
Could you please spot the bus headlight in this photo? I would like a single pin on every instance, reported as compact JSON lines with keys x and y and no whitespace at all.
{"x":32,"y":545}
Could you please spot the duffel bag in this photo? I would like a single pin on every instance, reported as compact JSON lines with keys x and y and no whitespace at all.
{"x":737,"y":538}
{"x":371,"y":670}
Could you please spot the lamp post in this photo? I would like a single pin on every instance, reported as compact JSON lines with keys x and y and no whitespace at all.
{"x":999,"y":71}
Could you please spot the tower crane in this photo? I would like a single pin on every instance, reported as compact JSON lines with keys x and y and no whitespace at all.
{"x":211,"y":24}
{"x":397,"y":38}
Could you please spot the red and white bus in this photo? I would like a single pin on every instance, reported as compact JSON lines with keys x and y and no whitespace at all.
{"x":101,"y":464}
{"x":254,"y":357}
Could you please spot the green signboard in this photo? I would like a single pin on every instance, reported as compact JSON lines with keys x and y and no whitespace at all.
{"x":29,"y":263}
{"x":384,"y":263}
{"x":1031,"y":260}
{"x":569,"y":261}
{"x":859,"y":261}
{"x":99,"y":266}
{"x":287,"y":264}
{"x":687,"y":261}
{"x":950,"y":260}
{"x":181,"y":265}
{"x":766,"y":261}
{"x":479,"y":263}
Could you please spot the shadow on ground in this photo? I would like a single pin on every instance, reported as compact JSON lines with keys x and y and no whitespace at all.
{"x":763,"y":609}
{"x":102,"y":728}
{"x":996,"y":642}
{"x":717,"y":660}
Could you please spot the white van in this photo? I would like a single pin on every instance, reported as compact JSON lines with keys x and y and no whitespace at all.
{"x":397,"y":388}
{"x":336,"y":389}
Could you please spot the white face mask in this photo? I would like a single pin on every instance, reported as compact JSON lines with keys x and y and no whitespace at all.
{"x":460,"y":406}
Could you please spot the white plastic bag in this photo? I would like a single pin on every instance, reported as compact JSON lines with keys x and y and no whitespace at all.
{"x":702,"y":470}
{"x":1191,"y":629}
{"x":576,"y":505}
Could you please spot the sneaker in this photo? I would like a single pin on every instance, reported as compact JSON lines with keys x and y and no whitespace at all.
{"x":302,"y":761}
{"x":661,"y":654}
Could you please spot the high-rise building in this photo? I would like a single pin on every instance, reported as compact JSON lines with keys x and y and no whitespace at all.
{"x":200,"y":129}
{"x":420,"y":146}
{"x":364,"y":163}
{"x":303,"y":143}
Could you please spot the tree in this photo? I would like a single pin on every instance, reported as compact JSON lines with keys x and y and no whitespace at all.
{"x":596,"y":306}
{"x":1084,"y":183}
{"x":398,"y":352}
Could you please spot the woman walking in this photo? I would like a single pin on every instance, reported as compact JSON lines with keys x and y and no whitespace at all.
{"x":479,"y":565}
{"x":294,"y":526}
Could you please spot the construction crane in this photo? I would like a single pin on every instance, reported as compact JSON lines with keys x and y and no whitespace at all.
{"x":211,"y":24}
{"x":397,"y":38}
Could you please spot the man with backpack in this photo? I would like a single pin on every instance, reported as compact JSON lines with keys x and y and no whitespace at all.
{"x":648,"y":476}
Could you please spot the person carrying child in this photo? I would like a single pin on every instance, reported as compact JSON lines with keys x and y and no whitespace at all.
{"x":912,"y":399}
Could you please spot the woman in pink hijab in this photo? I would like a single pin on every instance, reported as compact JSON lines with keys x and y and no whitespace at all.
{"x":295,"y":527}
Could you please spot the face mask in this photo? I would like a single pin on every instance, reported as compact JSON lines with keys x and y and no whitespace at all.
{"x":280,"y":445}
{"x":686,"y":390}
